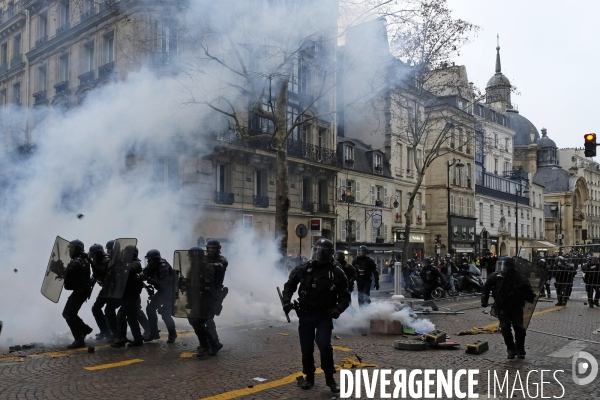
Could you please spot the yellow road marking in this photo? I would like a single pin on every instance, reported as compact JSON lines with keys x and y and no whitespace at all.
{"x":340,"y":348}
{"x":113,"y":365}
{"x":284,"y":334}
{"x":188,"y":354}
{"x":495,"y":325}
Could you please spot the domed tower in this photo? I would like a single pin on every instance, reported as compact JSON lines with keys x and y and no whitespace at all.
{"x":497,"y":90}
{"x":547,"y":155}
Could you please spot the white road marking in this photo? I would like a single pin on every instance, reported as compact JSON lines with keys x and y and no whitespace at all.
{"x":569,"y":350}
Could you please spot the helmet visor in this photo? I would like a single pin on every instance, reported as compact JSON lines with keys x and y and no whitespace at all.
{"x":321,"y":254}
{"x":504,"y":266}
{"x":338,"y":257}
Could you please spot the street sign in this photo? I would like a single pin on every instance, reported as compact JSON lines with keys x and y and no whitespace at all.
{"x":301,"y":231}
{"x":559,"y":236}
{"x":439,"y":245}
{"x":315,"y":226}
{"x":402,"y":236}
{"x":377,"y":221}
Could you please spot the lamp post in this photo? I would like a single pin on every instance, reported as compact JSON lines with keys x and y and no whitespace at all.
{"x":518,"y":192}
{"x":459,"y":164}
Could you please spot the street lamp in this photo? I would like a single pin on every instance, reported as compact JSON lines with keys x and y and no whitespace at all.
{"x":459,"y":164}
{"x":518,"y":192}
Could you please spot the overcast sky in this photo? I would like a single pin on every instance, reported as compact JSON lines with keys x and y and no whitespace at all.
{"x":549,"y":51}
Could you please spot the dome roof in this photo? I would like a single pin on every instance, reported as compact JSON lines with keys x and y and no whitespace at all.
{"x":523,"y":129}
{"x":545,"y":141}
{"x":499,"y":79}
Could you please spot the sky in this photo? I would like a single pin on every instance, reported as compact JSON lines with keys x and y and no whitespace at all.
{"x":548,"y":50}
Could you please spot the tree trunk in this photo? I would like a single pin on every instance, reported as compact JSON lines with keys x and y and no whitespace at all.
{"x":282,"y":201}
{"x":408,"y":215}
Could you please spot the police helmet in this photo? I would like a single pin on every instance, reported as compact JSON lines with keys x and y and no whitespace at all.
{"x":448,"y":255}
{"x":593,"y":261}
{"x":196,"y":252}
{"x":96,"y":248}
{"x":213,"y":247}
{"x":322,"y":251}
{"x":109,"y":244}
{"x":541,"y":263}
{"x":339,"y":255}
{"x":362,"y":250}
{"x":151,"y":254}
{"x":505,"y":264}
{"x":130,"y":250}
{"x":426,"y":262}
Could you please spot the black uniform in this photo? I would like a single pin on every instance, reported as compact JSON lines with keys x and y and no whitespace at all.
{"x":365,"y":269}
{"x":221,"y":264}
{"x":159,"y":274}
{"x":323,"y":295}
{"x":431,"y":277}
{"x":204,"y":283}
{"x":130,"y":307}
{"x":350,"y":272}
{"x":77,"y":279}
{"x":546,"y":287}
{"x":508,"y":307}
{"x":107,"y":323}
{"x":563,"y":274}
{"x":592,"y":282}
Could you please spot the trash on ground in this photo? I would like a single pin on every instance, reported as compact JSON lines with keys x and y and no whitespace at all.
{"x":478,"y":347}
{"x":412,"y":345}
{"x":259,"y":379}
{"x":347,"y":363}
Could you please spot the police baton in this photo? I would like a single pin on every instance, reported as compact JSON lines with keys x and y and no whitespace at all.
{"x":281,"y":299}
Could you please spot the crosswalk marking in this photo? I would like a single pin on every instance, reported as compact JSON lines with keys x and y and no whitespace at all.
{"x":569,"y":350}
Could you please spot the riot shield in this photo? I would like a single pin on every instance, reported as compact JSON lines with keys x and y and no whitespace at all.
{"x":119,"y":267}
{"x":55,"y":271}
{"x":194,"y":279}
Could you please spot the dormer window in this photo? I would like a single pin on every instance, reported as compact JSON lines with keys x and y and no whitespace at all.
{"x":377,"y":163}
{"x":348,"y":155}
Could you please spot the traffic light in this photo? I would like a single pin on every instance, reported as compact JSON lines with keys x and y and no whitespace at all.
{"x":590,"y":144}
{"x":438,"y":239}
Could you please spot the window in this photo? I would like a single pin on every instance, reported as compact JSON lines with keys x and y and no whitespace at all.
{"x":468,"y":175}
{"x":506,"y":144}
{"x":461,"y":139}
{"x":379,"y":193}
{"x":495,"y":136}
{"x":42,"y":26}
{"x":64,"y":14}
{"x":166,"y":172}
{"x":480,"y":213}
{"x":527,"y":230}
{"x":496,"y":166}
{"x":460,"y":104}
{"x":522,"y":230}
{"x":541,"y":228}
{"x":166,"y":38}
{"x":291,"y":118}
{"x":348,"y":154}
{"x":501,"y":209}
{"x":534,"y":228}
{"x":480,"y":109}
{"x":17,"y":94}
{"x":461,"y":205}
{"x":260,"y":182}
{"x":506,"y":166}
{"x":306,"y":194}
{"x":3,"y":97}
{"x":109,"y":51}
{"x":89,"y":63}
{"x":41,"y":78}
{"x":4,"y":54}
{"x":63,"y":68}
{"x":492,"y":216}
{"x":469,"y":207}
{"x":508,"y":210}
{"x":17,"y":46}
{"x":409,"y":161}
{"x":377,"y":163}
{"x":452,"y":208}
{"x":509,"y":228}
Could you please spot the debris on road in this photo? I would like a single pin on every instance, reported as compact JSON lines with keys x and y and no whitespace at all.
{"x":478,"y":347}
{"x":347,"y":363}
{"x":476,"y":331}
{"x":412,"y":345}
{"x":259,"y":379}
{"x":386,"y":327}
{"x":435,"y":337}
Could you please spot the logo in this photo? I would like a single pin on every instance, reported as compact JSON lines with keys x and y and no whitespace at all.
{"x":584,"y":363}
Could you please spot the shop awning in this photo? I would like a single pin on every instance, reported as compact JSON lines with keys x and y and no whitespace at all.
{"x":541,"y":243}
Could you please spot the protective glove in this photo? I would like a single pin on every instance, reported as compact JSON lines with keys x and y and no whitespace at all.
{"x":287,"y":307}
{"x":334,"y":313}
{"x":377,"y":286}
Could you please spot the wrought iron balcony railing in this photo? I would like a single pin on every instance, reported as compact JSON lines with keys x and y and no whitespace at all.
{"x":41,"y":40}
{"x":16,"y":60}
{"x":224,"y":198}
{"x":106,"y":70}
{"x":261,"y":201}
{"x":308,"y":206}
{"x":87,"y":15}
{"x":63,"y":28}
{"x":324,"y":208}
{"x":39,"y":96}
{"x":86,"y":77}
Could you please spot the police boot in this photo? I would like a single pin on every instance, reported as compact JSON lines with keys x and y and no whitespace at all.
{"x":136,"y":343}
{"x":172,"y":337}
{"x":86,"y":330}
{"x":590,"y":303}
{"x":103,"y":335}
{"x":119,"y":343}
{"x":308,"y":382}
{"x":151,"y":337}
{"x":597,"y":303}
{"x":77,"y":344}
{"x":201,"y":352}
{"x":330,"y":381}
{"x":511,"y":354}
{"x":214,"y":348}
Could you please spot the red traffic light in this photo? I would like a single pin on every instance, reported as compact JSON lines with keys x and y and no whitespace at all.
{"x":590,"y":137}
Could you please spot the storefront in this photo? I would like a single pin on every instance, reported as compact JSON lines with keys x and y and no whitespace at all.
{"x":384,"y":254}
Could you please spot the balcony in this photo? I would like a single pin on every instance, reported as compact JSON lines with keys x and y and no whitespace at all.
{"x":40,"y":96}
{"x":41,"y":40}
{"x":3,"y":68}
{"x":87,"y":77}
{"x":349,"y":163}
{"x":378,"y":203}
{"x":324,"y":208}
{"x":162,"y":58}
{"x":63,"y":28}
{"x":16,"y":60}
{"x":378,"y":169}
{"x":224,"y":198}
{"x":261,"y":201}
{"x":487,"y":184}
{"x":62,"y":87}
{"x":348,"y":198}
{"x":299,"y":149}
{"x":106,"y":70}
{"x":87,"y":15}
{"x":308,"y":206}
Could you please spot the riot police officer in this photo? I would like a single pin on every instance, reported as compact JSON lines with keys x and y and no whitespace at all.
{"x":77,"y":278}
{"x":323,"y":295}
{"x":564,"y":275}
{"x":592,"y":282}
{"x":510,"y":298}
{"x":159,"y":274}
{"x":546,"y":287}
{"x":348,"y":269}
{"x":431,"y":276}
{"x":203,"y":285}
{"x":365,"y":268}
{"x":106,"y":323}
{"x":130,"y":302}
{"x":214,"y":256}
